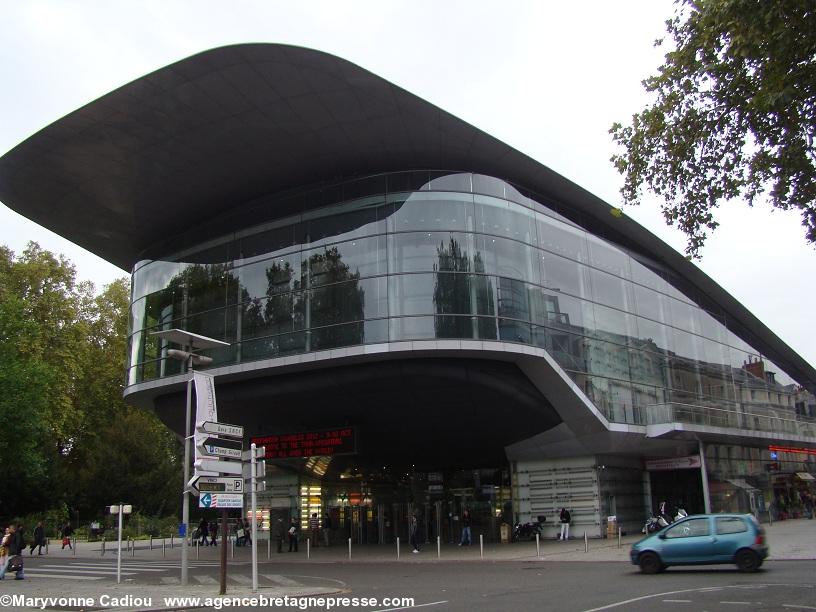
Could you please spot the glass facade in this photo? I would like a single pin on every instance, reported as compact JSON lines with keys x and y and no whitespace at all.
{"x":433,"y":255}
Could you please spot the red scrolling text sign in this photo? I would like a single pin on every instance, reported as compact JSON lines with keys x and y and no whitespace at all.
{"x":341,"y":441}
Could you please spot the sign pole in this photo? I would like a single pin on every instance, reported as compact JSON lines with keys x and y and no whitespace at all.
{"x":254,"y":521}
{"x":223,"y":586}
{"x":119,"y":547}
{"x":185,"y":505}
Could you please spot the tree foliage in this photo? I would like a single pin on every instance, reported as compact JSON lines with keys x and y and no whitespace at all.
{"x":68,"y":437}
{"x":733,"y":116}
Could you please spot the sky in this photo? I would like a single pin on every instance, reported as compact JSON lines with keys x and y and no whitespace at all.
{"x":546,"y":77}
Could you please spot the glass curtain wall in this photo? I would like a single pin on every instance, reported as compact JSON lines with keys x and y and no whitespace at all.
{"x":427,"y":255}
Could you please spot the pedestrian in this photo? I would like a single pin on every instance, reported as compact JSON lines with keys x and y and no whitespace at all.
{"x":413,"y":533}
{"x":66,"y":533}
{"x":16,"y":545}
{"x":203,"y":532}
{"x":278,"y":532}
{"x":565,"y":519}
{"x":4,"y":547}
{"x":327,"y":525}
{"x":247,"y":533}
{"x":465,"y":541}
{"x":293,"y":535}
{"x":213,"y":528}
{"x":314,"y":527}
{"x":39,"y":539}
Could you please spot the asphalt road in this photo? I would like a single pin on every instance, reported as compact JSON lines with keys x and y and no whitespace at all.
{"x":484,"y":585}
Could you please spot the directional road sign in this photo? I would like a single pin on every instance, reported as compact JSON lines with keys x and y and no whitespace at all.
{"x":221,"y":429}
{"x":221,"y":500}
{"x":216,"y":484}
{"x":219,"y":466}
{"x":221,"y":447}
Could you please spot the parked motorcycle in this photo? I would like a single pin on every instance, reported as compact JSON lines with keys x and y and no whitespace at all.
{"x":680,"y":514}
{"x":654,"y":523}
{"x":526,"y":531}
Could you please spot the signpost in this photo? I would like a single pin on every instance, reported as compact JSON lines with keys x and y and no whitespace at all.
{"x":221,"y":429}
{"x":221,"y":500}
{"x":219,"y":447}
{"x":216,"y":484}
{"x":120,"y":509}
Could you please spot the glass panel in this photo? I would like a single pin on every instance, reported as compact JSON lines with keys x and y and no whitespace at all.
{"x":453,"y":293}
{"x":651,"y":304}
{"x":452,"y":182}
{"x":648,"y":368}
{"x":428,"y":251}
{"x":353,"y":259}
{"x":502,"y":218}
{"x":648,"y":275}
{"x":508,"y":258}
{"x":455,"y":327}
{"x":689,"y":528}
{"x":685,"y":316}
{"x":412,"y":294}
{"x":206,"y":287}
{"x":565,"y":275}
{"x":273,"y":346}
{"x":337,"y":336}
{"x":607,"y":359}
{"x":265,"y":317}
{"x":488,"y":185}
{"x":615,"y":325}
{"x":375,"y":331}
{"x":561,"y":239}
{"x":567,"y":349}
{"x":515,"y":331}
{"x":611,"y":290}
{"x":730,"y":524}
{"x":412,"y":328}
{"x":417,"y":180}
{"x":337,"y":303}
{"x":154,"y":276}
{"x":270,"y":277}
{"x":431,"y":211}
{"x":351,"y":220}
{"x":274,"y":240}
{"x":607,"y":257}
{"x":513,"y":301}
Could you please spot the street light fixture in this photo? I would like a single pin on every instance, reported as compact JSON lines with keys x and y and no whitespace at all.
{"x":191,"y":342}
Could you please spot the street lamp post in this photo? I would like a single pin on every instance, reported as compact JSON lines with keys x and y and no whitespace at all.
{"x":191,"y":342}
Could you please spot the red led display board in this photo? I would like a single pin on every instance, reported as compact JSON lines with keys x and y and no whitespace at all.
{"x":327,"y":442}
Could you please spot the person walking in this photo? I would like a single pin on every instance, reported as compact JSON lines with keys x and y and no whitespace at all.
{"x":16,"y":545}
{"x":66,"y":533}
{"x":39,"y":539}
{"x":314,"y":527}
{"x":278,"y":532}
{"x":565,"y":519}
{"x":247,"y":533}
{"x":327,"y":525}
{"x":202,"y":532}
{"x":413,"y":533}
{"x":465,"y":541}
{"x":293,"y":535}
{"x":213,"y":528}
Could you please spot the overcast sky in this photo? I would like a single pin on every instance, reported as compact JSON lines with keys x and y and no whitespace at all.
{"x":546,"y":77}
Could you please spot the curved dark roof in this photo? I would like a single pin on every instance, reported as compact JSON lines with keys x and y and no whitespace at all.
{"x":227,"y":126}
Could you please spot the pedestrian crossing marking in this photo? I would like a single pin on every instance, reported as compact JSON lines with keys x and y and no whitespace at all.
{"x":241,"y":579}
{"x":205,"y":580}
{"x":30,"y":574}
{"x":281,"y":580}
{"x":170,"y":580}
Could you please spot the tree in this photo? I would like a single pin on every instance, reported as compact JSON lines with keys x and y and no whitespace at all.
{"x":734,"y":115}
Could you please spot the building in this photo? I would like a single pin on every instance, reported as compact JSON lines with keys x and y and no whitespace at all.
{"x":420,"y":318}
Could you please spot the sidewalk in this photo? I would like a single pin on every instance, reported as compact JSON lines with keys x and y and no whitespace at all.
{"x":795,"y":539}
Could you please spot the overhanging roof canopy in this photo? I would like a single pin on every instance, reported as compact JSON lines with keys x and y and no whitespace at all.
{"x":193,"y":140}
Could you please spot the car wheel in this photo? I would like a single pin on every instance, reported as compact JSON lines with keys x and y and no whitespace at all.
{"x":747,"y":561}
{"x":650,"y":563}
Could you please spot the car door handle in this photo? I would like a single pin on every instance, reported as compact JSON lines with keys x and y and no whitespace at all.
{"x":713,"y":540}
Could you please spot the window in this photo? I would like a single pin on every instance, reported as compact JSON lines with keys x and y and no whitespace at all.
{"x":730,"y":524}
{"x":689,"y":529}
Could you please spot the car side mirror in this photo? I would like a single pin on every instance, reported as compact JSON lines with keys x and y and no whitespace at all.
{"x":662,"y":536}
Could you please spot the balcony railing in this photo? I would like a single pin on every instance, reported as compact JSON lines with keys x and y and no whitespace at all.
{"x":770,"y":421}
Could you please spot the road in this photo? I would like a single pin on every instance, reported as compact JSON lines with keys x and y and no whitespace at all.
{"x":477,"y":585}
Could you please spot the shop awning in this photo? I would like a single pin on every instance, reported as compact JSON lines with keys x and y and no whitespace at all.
{"x":741,"y":484}
{"x":805,"y":476}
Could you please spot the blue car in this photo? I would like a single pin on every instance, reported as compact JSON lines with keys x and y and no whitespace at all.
{"x":703,"y":539}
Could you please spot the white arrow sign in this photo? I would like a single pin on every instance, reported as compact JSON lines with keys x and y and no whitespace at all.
{"x":222,"y":429}
{"x":219,"y":466}
{"x":221,"y":500}
{"x":216,"y":484}
{"x":220,"y":448}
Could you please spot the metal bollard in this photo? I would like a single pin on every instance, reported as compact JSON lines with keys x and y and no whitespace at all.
{"x":75,"y":547}
{"x":47,"y":541}
{"x":438,"y":548}
{"x":269,"y":547}
{"x":151,"y":542}
{"x":164,"y":547}
{"x":770,"y":518}
{"x":171,"y":540}
{"x":308,"y":548}
{"x":232,"y":548}
{"x":586,"y":543}
{"x":481,"y":546}
{"x":538,"y":547}
{"x":133,"y":547}
{"x":103,"y":547}
{"x":349,"y":548}
{"x":397,"y":547}
{"x":197,"y":546}
{"x":619,"y":537}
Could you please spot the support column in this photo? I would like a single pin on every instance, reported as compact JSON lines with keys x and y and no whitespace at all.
{"x":704,"y":476}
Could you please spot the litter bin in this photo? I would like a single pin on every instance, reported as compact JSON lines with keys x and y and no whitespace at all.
{"x":504,"y":531}
{"x":611,"y":527}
